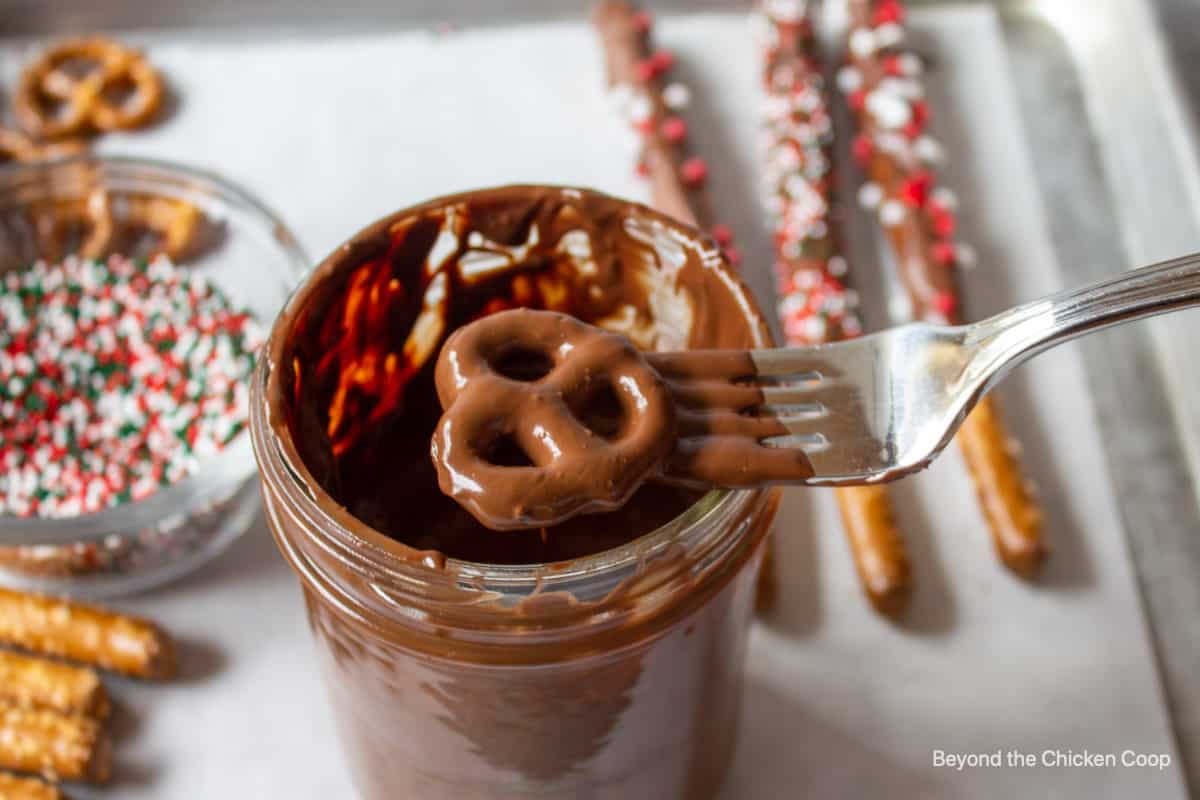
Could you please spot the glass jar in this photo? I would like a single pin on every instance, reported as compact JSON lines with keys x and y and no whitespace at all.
{"x":615,"y":675}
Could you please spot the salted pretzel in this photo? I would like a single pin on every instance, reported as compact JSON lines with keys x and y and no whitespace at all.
{"x":18,"y":146}
{"x":511,"y":382}
{"x":80,"y":85}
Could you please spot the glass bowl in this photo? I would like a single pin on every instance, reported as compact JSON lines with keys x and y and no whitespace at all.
{"x":244,"y":250}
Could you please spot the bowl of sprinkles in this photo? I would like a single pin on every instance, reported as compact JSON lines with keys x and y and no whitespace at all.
{"x":133,"y":299}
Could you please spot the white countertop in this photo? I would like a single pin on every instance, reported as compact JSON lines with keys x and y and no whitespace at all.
{"x":839,"y":703}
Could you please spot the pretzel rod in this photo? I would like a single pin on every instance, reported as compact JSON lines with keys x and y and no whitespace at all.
{"x":1007,"y":499}
{"x":58,"y":746}
{"x":639,"y":90}
{"x":37,"y":683}
{"x":13,"y":787}
{"x":82,"y":633}
{"x":652,"y":105}
{"x":884,"y":90}
{"x":815,"y":304}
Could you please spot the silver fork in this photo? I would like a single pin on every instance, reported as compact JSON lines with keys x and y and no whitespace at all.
{"x":882,"y":406}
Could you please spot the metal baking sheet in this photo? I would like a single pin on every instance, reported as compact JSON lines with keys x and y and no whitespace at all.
{"x":1085,"y":171}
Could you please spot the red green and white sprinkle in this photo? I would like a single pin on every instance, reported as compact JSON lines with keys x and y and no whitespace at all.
{"x":815,"y":305}
{"x":116,"y":378}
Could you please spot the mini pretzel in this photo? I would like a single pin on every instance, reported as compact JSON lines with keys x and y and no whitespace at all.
{"x":52,"y":101}
{"x":574,"y":469}
{"x":174,"y":223}
{"x":18,"y":146}
{"x":85,"y":227}
{"x":94,"y":226}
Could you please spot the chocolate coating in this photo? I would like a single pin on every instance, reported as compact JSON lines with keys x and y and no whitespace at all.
{"x":365,"y":332}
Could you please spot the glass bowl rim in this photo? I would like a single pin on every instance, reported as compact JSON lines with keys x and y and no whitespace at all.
{"x":217,"y":474}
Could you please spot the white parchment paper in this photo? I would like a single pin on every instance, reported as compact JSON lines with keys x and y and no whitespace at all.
{"x":334,"y":132}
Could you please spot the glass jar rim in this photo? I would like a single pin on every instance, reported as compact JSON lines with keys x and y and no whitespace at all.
{"x":369,"y":551}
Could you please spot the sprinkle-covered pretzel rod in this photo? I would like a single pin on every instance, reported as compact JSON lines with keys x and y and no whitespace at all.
{"x":815,"y":304}
{"x":90,"y":635}
{"x":653,"y":106}
{"x":14,"y":787}
{"x":641,"y":92}
{"x":38,"y":683}
{"x":882,"y":83}
{"x":58,"y":746}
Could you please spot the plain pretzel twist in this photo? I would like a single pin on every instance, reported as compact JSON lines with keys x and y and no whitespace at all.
{"x":573,"y":468}
{"x":96,"y":225}
{"x":70,"y":89}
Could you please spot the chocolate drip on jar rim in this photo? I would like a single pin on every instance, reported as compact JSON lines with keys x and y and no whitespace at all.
{"x":357,"y":438}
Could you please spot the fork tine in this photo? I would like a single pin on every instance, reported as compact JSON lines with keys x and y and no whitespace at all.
{"x":818,"y":398}
{"x":729,"y":423}
{"x":801,"y":426}
{"x":817,"y":362}
{"x":742,"y":365}
{"x":727,"y":365}
{"x":699,"y":462}
{"x":810,"y":442}
{"x":713,"y":394}
{"x":793,"y":394}
{"x":809,"y":399}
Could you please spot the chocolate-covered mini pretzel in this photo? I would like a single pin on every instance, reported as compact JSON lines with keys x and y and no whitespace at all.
{"x":546,"y":417}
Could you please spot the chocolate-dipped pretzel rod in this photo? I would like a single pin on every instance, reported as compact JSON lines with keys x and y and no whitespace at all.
{"x":653,"y":107}
{"x":884,"y":90}
{"x":815,"y":304}
{"x":86,"y":634}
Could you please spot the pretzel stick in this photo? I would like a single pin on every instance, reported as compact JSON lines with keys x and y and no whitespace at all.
{"x":58,"y":746}
{"x":37,"y":683}
{"x":884,"y":90}
{"x":652,"y":105}
{"x":815,"y":305}
{"x":82,"y":633}
{"x":13,"y":787}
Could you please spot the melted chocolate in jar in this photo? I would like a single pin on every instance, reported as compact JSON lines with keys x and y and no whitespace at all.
{"x":364,"y":404}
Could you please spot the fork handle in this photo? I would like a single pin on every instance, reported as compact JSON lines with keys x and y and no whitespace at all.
{"x":1012,"y":337}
